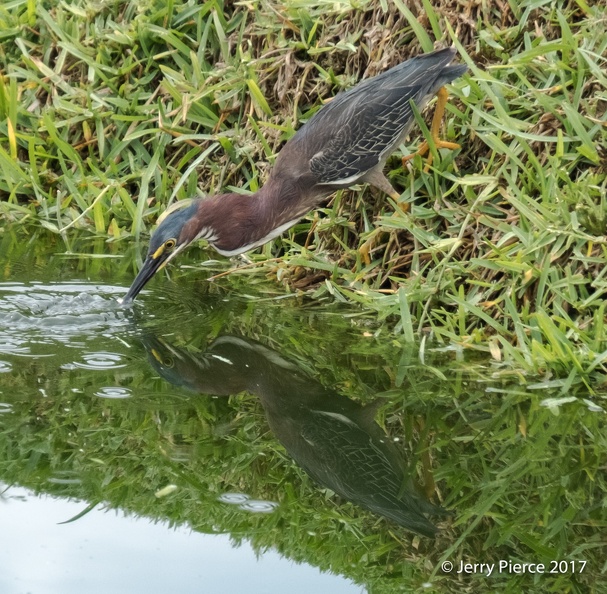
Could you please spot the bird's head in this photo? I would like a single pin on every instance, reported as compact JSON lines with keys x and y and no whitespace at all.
{"x":178,"y":228}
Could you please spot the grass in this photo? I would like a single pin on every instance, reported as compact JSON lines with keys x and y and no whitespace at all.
{"x":110,"y":110}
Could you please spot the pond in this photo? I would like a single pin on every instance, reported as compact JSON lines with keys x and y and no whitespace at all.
{"x":232,"y":436}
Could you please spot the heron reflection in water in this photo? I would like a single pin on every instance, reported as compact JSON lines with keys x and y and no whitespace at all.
{"x":333,"y":438}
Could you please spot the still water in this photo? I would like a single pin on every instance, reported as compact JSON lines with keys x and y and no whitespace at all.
{"x":108,"y":551}
{"x":270,"y":442}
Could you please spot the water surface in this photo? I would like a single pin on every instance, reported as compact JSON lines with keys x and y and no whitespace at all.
{"x":108,"y":551}
{"x":302,"y":431}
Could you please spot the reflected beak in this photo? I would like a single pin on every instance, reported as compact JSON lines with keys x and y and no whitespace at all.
{"x":149,"y":268}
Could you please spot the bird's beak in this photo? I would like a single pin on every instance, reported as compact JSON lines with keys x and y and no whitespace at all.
{"x":149,"y":268}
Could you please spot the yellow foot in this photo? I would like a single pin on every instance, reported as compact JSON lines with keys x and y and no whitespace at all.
{"x":439,"y":112}
{"x":424,"y":147}
{"x":365,"y":249}
{"x":400,"y":206}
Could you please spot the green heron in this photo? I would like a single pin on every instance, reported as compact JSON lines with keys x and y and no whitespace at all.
{"x":333,"y":438}
{"x":345,"y":142}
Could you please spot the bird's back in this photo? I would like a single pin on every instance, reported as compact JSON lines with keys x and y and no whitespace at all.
{"x":356,"y":131}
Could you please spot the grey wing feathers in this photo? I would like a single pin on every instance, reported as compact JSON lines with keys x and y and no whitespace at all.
{"x":358,"y":144}
{"x":358,"y":127}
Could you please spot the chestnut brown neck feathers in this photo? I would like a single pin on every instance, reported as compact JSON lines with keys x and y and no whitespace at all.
{"x":236,"y":223}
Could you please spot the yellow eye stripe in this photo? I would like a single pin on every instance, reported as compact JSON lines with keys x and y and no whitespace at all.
{"x":169,"y":244}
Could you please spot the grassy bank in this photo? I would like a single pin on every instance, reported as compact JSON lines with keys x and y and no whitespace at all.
{"x":110,"y":110}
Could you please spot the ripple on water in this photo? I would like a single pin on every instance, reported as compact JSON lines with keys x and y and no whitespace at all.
{"x":5,"y":408}
{"x":233,"y":498}
{"x":64,"y":477}
{"x":114,"y":392}
{"x":5,"y":366}
{"x":63,"y":307}
{"x":11,"y":346}
{"x":259,"y":506}
{"x":97,"y":361}
{"x":244,"y":502}
{"x":64,"y":481}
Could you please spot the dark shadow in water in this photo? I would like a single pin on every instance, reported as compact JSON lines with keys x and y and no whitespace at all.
{"x":333,"y":438}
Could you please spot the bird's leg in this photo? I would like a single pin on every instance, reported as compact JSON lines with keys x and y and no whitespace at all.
{"x":365,"y":249}
{"x":424,"y":147}
{"x":403,"y":207}
{"x":377,"y":179}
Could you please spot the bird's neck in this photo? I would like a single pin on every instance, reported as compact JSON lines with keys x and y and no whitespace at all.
{"x":236,"y":223}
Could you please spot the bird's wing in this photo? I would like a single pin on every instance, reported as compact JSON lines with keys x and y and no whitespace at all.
{"x":357,"y":129}
{"x":358,"y":138}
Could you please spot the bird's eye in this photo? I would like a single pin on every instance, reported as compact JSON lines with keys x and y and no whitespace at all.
{"x":169,"y":244}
